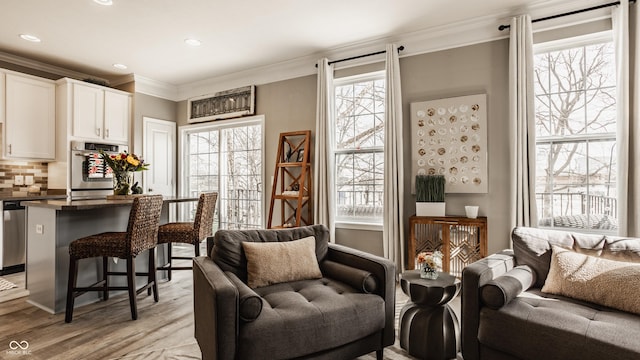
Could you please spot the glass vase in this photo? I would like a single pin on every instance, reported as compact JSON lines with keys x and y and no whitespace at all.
{"x":427,"y":272}
{"x":122,"y":183}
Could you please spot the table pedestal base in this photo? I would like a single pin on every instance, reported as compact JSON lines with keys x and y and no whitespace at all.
{"x":429,"y":332}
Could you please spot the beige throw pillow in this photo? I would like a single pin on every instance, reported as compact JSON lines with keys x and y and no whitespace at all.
{"x":615,"y":284}
{"x":275,"y":262}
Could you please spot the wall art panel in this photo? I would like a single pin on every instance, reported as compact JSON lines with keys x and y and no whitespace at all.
{"x":449,"y":137}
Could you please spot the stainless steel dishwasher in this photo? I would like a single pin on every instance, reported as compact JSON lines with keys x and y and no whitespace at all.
{"x":13,"y":238}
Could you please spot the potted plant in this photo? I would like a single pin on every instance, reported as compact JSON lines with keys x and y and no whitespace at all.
{"x":430,"y":195}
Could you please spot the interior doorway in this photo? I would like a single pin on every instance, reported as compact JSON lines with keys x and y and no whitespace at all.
{"x":159,"y":146}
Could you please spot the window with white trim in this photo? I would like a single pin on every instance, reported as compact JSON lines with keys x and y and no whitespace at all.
{"x":227,"y":158}
{"x":359,"y":148}
{"x":575,"y":106}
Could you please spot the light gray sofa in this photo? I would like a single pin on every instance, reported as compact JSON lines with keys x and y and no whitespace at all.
{"x":506,"y":316}
{"x":347,"y":313}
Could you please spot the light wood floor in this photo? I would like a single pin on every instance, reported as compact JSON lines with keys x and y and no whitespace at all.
{"x":17,"y":292}
{"x":104,"y":330}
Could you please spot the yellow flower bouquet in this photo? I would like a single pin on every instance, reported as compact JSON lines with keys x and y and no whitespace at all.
{"x":122,"y":166}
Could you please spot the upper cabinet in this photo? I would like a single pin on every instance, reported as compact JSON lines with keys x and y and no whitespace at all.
{"x":2,"y":98}
{"x":117,"y":114}
{"x":88,"y":111}
{"x":95,"y":112}
{"x":30,"y":117}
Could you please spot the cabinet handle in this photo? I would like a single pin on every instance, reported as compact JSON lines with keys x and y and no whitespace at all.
{"x":106,"y":132}
{"x":98,"y":131}
{"x":9,"y":149}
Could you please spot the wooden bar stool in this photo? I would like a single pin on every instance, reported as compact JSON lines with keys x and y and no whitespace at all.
{"x":189,"y":232}
{"x":141,"y":235}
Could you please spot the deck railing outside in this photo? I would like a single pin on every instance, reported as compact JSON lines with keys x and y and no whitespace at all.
{"x":577,"y":210}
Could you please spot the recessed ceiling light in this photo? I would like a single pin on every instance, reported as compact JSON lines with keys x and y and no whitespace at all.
{"x":120,"y":66}
{"x":31,"y":38}
{"x":193,"y":42}
{"x":103,"y":2}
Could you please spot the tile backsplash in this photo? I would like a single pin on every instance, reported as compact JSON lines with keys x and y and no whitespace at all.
{"x":10,"y":169}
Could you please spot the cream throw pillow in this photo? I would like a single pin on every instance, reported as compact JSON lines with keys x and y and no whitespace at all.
{"x":275,"y":262}
{"x":615,"y":284}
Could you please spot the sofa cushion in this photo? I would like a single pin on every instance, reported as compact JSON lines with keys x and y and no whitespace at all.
{"x":275,"y":262}
{"x":606,"y":282}
{"x":499,"y":291}
{"x":532,"y":246}
{"x":309,"y":316}
{"x":535,"y":325}
{"x":228,"y":254}
{"x":249,"y":303}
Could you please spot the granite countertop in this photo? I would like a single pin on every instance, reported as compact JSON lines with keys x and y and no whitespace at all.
{"x":74,"y":205}
{"x":9,"y":197}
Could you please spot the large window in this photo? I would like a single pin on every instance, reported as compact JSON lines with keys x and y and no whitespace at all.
{"x":359,"y":148}
{"x":575,"y":88}
{"x":227,"y":158}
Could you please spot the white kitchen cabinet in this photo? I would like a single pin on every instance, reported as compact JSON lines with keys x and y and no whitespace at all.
{"x":2,"y":106}
{"x":100,"y":114}
{"x":88,"y":111}
{"x":117,"y":114}
{"x":30,"y":118}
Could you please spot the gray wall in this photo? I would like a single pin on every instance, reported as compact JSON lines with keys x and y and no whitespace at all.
{"x":475,"y":69}
{"x":153,"y":107}
{"x":288,"y":105}
{"x":483,"y":68}
{"x":365,"y":240}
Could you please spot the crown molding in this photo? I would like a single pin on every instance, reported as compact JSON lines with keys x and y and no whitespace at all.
{"x":155,"y":88}
{"x":433,"y":39}
{"x":256,"y":76}
{"x":120,"y":80}
{"x":41,"y":66}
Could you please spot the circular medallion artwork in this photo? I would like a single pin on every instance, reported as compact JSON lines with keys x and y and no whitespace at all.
{"x":453,"y":142}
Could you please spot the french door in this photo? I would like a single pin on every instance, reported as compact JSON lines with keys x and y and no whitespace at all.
{"x":226,"y":157}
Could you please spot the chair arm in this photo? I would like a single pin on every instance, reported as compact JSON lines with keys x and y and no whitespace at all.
{"x":210,"y":242}
{"x":361,"y":280}
{"x":474,"y":277}
{"x":216,"y":306}
{"x":385,"y":272}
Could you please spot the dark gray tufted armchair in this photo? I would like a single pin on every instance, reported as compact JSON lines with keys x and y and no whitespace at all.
{"x":347,"y":313}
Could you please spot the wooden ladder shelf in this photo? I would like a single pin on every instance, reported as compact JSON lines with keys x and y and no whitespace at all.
{"x":291,"y":188}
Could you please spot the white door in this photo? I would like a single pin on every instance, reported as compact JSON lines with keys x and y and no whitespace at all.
{"x":159,"y":151}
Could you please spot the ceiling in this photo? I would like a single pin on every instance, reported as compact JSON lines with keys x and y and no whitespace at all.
{"x":148,"y":35}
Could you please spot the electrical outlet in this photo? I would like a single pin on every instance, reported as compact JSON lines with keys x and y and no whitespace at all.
{"x":19,"y":180}
{"x":39,"y":229}
{"x":28,"y":180}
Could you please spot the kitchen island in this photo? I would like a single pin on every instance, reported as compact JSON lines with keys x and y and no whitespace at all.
{"x":12,"y":236}
{"x":53,"y":224}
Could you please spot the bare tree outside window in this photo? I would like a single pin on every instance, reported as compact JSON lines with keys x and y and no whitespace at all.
{"x":575,"y":105}
{"x":359,"y":149}
{"x":229,"y":161}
